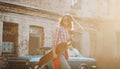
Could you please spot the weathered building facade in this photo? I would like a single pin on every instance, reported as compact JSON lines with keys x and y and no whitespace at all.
{"x":24,"y":17}
{"x":36,"y":20}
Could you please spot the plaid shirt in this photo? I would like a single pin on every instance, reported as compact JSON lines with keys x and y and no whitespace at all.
{"x":61,"y":35}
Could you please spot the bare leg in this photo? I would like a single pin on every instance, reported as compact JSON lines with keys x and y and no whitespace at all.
{"x":64,"y":63}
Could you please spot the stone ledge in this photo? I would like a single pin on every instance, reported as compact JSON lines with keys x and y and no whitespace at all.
{"x":26,"y":10}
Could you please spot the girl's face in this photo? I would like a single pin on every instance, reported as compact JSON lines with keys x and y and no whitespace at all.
{"x":66,"y":21}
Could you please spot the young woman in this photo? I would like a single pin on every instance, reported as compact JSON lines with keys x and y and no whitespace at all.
{"x":62,"y":34}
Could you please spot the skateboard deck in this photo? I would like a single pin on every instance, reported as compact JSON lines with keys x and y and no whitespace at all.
{"x":60,"y":48}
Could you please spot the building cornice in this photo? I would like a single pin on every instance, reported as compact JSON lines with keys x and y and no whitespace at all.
{"x":27,"y":10}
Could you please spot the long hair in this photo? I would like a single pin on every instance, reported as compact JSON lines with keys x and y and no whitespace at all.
{"x":68,"y":18}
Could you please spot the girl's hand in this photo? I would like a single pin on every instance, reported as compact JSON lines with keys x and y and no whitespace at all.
{"x":54,"y":52}
{"x":55,"y":55}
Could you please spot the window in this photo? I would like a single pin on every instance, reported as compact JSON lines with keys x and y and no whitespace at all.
{"x":36,"y":39}
{"x":10,"y":38}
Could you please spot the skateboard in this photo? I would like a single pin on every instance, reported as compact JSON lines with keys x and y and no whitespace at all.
{"x":60,"y":48}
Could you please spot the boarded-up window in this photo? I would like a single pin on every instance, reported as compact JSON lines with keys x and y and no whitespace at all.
{"x":36,"y":39}
{"x":10,"y":38}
